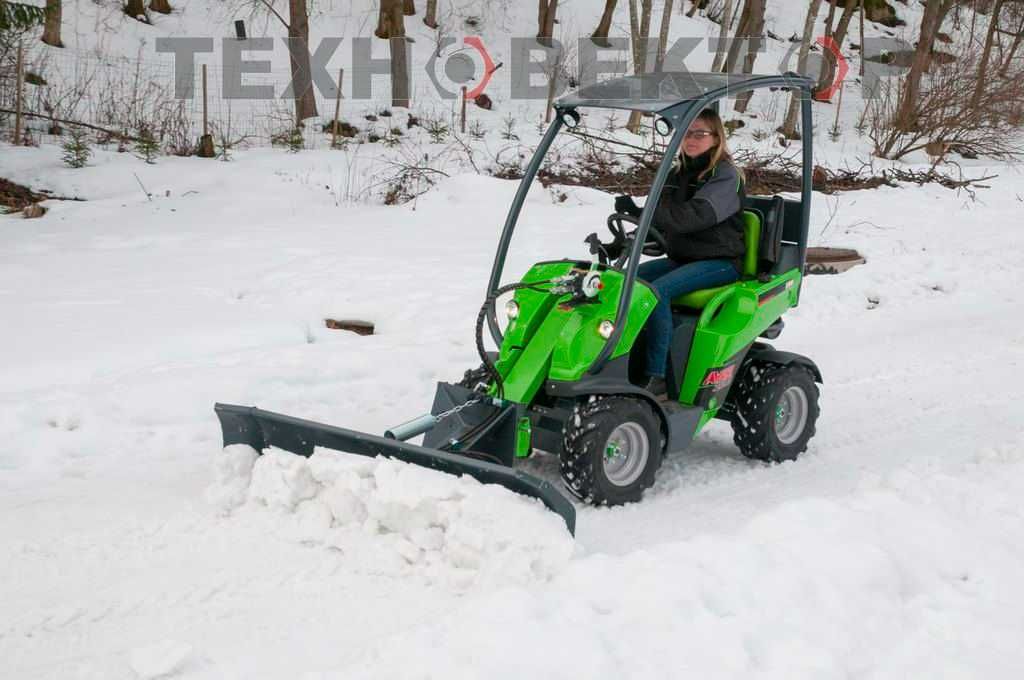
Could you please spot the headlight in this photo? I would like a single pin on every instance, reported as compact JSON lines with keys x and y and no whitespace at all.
{"x":605,"y":329}
{"x":512,"y":309}
{"x":663,"y":127}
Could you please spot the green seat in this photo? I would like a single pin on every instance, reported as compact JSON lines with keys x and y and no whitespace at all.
{"x":751,"y":236}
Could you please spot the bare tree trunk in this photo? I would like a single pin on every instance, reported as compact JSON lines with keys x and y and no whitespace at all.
{"x":934,"y":12}
{"x":383,"y":30}
{"x":51,"y":27}
{"x":694,"y":8}
{"x":431,"y":17}
{"x":634,"y":34}
{"x":844,"y":23}
{"x":298,"y":48}
{"x":723,"y":35}
{"x":986,"y":54}
{"x":666,"y":20}
{"x":646,"y":6}
{"x":974,"y":21}
{"x":738,"y":39}
{"x":549,"y":19}
{"x":639,"y":35}
{"x":409,"y":8}
{"x":546,"y":20}
{"x":1013,"y":52}
{"x":830,"y":18}
{"x":789,"y":126}
{"x":395,"y":20}
{"x":160,"y":6}
{"x":828,"y":65}
{"x":861,"y":37}
{"x":135,"y":9}
{"x":600,"y":35}
{"x":756,"y":35}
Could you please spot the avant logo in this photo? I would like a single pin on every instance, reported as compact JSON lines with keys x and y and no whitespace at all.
{"x":718,"y":377}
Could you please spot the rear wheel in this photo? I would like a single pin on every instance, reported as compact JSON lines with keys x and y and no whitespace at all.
{"x":776,"y":408}
{"x":611,"y":450}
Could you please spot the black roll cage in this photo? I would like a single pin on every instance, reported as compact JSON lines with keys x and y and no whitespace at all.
{"x":680,"y":113}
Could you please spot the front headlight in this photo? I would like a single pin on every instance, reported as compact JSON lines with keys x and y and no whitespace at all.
{"x":605,"y":329}
{"x":512,"y":310}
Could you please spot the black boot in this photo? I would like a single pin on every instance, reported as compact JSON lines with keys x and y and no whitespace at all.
{"x":656,"y":385}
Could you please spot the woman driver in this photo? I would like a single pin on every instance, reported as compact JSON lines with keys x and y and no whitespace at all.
{"x":699,"y":215}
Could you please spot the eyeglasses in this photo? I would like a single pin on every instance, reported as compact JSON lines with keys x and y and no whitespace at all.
{"x":699,"y":134}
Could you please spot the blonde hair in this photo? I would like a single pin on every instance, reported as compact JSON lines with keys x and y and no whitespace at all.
{"x":720,"y":150}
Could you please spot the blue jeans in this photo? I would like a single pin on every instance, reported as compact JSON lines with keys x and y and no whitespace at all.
{"x":671,"y":279}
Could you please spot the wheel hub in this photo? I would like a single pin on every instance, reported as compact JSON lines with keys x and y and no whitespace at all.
{"x":791,"y":415}
{"x":626,"y":453}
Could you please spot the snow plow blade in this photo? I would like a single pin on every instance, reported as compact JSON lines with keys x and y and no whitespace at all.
{"x":261,"y":429}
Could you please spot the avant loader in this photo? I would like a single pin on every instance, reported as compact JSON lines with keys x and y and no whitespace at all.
{"x":567,"y":378}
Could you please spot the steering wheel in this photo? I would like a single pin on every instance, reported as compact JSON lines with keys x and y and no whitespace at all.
{"x":654,"y":245}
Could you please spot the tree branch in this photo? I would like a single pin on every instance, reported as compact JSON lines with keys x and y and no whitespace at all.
{"x":269,"y":4}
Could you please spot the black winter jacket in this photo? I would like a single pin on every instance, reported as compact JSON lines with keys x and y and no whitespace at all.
{"x":700,"y":218}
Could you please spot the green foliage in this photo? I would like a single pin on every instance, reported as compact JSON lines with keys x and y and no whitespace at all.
{"x":76,"y":149}
{"x":437,"y":130}
{"x":295,"y":141}
{"x":508,"y":132}
{"x":146,"y":146}
{"x":20,"y":17}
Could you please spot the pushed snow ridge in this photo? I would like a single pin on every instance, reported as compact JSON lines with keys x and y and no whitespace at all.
{"x":390,"y":517}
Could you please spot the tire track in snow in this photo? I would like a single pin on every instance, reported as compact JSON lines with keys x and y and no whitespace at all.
{"x":864,"y":434}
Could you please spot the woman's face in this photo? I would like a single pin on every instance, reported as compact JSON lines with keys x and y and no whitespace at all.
{"x":699,"y":138}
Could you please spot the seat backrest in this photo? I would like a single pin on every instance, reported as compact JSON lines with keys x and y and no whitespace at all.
{"x":751,"y":237}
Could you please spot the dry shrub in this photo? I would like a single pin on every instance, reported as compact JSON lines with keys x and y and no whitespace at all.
{"x":952,"y":112}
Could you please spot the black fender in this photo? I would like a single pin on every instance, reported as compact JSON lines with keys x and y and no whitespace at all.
{"x":765,"y":352}
{"x":678,"y":420}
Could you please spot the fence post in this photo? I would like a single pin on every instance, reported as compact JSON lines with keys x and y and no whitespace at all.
{"x":206,"y":120}
{"x":337,"y":111}
{"x":206,"y":141}
{"x":862,"y":37}
{"x":462,"y":120}
{"x":839,"y":105}
{"x":20,"y":85}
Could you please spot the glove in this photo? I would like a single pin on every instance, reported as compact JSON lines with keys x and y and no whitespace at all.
{"x":625,"y":204}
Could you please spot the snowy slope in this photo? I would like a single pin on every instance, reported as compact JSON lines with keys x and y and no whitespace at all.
{"x":99,"y":37}
{"x":891,"y":549}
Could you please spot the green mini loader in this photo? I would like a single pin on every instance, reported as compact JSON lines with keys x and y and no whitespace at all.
{"x":567,"y":377}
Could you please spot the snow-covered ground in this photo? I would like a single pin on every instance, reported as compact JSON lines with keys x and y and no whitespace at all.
{"x":893,"y":548}
{"x":136,"y":547}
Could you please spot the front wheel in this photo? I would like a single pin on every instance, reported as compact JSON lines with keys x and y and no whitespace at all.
{"x":776,"y":408}
{"x":611,"y":450}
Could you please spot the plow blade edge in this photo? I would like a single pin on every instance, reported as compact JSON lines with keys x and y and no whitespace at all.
{"x":261,"y":429}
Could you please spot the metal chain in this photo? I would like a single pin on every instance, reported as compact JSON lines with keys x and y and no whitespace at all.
{"x":455,"y":409}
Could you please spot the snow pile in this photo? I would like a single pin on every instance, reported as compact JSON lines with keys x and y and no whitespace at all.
{"x":394,"y":518}
{"x":912,"y":578}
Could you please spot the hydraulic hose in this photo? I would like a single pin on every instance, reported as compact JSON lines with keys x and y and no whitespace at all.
{"x":492,"y":370}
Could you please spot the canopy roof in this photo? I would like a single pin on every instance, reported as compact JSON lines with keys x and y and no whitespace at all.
{"x":657,"y":92}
